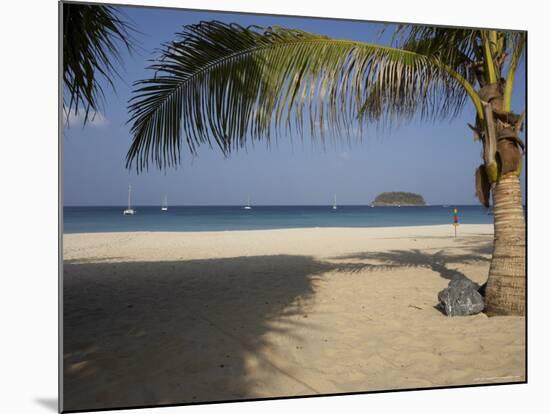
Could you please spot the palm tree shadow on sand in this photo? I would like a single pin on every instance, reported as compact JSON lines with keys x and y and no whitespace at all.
{"x":156,"y":333}
{"x":437,"y":262}
{"x":394,"y":259}
{"x":153,"y":333}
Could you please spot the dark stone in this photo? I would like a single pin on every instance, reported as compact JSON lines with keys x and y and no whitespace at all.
{"x":463,"y":283}
{"x":461,"y":298}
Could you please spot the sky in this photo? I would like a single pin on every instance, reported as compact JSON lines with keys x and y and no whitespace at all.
{"x":434,"y":159}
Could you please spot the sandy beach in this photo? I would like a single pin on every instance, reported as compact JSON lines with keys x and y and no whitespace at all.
{"x":164,"y":318}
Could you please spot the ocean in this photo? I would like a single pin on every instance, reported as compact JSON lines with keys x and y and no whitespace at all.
{"x":221,"y":218}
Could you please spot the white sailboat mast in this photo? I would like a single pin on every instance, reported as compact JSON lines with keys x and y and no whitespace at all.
{"x":129,"y":196}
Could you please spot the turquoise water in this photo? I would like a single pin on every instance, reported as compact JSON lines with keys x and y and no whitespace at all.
{"x":217,"y":218}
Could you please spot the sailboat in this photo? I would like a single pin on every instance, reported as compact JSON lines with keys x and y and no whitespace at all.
{"x":247,"y":207}
{"x":164,"y":204}
{"x":129,"y":211}
{"x":334,"y":206}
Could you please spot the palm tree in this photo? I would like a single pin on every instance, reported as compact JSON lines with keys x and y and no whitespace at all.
{"x":92,"y":36}
{"x":225,"y":85}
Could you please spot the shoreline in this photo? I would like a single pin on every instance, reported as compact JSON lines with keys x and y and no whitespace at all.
{"x":122,"y":206}
{"x":482,"y":227}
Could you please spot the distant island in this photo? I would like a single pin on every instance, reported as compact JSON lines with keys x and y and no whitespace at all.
{"x":399,"y":198}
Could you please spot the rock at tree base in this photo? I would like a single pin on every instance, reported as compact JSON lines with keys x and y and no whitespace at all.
{"x":461,"y":298}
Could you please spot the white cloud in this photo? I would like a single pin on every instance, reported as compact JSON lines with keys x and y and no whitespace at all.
{"x":95,"y":119}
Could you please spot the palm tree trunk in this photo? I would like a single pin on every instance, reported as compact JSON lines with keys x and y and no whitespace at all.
{"x":505,"y":291}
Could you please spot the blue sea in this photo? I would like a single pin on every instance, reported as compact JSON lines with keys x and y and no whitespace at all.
{"x":220,"y":218}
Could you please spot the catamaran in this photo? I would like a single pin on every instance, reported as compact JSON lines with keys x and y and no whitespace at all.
{"x":165,"y":204}
{"x":248,"y":207}
{"x":334,"y":206}
{"x":129,"y":211}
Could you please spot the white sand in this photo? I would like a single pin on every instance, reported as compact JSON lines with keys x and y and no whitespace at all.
{"x":160,"y":318}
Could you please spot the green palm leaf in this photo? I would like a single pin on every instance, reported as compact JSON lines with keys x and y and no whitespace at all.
{"x":92,"y":36}
{"x":225,"y":85}
{"x":460,"y":49}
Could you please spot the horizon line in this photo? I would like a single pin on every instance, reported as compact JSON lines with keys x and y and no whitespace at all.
{"x":270,"y":205}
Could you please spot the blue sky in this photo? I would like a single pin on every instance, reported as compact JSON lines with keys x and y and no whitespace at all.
{"x":436,"y":160}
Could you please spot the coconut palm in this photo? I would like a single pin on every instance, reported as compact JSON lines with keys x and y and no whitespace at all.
{"x":226,"y":85}
{"x":92,"y":36}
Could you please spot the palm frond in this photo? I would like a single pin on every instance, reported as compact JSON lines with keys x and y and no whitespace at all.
{"x":458,"y":48}
{"x":517,"y":46}
{"x":223,"y":84}
{"x":92,"y":39}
